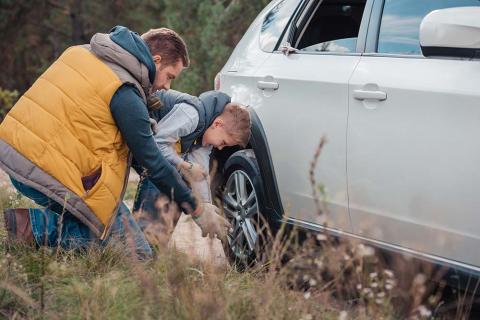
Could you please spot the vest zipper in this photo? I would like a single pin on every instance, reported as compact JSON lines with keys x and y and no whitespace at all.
{"x":115,"y":211}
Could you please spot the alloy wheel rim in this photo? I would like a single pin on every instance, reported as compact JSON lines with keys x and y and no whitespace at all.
{"x":240,"y":205}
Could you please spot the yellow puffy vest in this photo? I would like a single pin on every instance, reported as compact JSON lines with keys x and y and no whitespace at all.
{"x":63,"y":125}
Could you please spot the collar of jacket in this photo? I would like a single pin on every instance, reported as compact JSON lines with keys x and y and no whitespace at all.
{"x":104,"y":48}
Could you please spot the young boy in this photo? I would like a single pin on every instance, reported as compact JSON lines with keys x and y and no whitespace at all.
{"x":188,"y":129}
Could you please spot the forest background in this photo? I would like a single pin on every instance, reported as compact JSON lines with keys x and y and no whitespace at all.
{"x":35,"y":33}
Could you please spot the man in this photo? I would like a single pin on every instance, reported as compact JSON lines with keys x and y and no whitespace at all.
{"x":68,"y":142}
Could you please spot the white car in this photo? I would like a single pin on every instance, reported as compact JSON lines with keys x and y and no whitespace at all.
{"x":394,"y":86}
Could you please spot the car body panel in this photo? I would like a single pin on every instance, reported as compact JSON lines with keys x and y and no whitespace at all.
{"x":412,"y":158}
{"x":311,"y":102}
{"x":247,"y":55}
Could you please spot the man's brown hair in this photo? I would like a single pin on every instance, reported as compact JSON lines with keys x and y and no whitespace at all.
{"x":167,"y":44}
{"x":237,"y":123}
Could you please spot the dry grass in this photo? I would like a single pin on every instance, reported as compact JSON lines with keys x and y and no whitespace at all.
{"x":107,"y":284}
{"x":318,"y":278}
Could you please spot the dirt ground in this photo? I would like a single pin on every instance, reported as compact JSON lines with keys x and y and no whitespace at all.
{"x":186,"y":236}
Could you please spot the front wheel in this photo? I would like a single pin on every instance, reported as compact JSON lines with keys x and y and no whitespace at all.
{"x":241,"y":196}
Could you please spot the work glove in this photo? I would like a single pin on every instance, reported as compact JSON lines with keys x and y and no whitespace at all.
{"x":194,"y":172}
{"x":212,"y":223}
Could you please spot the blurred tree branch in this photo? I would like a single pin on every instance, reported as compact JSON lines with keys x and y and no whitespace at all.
{"x":36,"y":32}
{"x":57,"y":5}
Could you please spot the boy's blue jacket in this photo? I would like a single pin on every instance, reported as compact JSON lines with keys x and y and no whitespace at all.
{"x":209,"y":105}
{"x":131,"y":116}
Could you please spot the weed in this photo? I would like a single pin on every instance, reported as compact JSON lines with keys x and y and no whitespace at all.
{"x":320,"y":277}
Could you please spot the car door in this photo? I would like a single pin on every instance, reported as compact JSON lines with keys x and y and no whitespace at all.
{"x":413,"y":139}
{"x":305,"y":97}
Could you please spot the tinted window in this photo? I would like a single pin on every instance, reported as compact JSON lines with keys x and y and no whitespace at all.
{"x":275,"y":22}
{"x":333,"y":27}
{"x":401,"y":20}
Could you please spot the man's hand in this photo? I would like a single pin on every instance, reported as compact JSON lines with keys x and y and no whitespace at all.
{"x":193,"y":171}
{"x":211,"y":222}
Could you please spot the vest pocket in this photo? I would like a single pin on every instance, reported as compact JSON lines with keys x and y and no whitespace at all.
{"x":89,"y":181}
{"x":92,"y":182}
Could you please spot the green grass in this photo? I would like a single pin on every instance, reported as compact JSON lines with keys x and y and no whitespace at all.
{"x":49,"y":283}
{"x":324,"y":279}
{"x":107,"y":285}
{"x":131,"y":191}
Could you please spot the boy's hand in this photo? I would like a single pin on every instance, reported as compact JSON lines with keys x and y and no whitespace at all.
{"x":193,"y":171}
{"x":211,"y":222}
{"x":153,"y":126}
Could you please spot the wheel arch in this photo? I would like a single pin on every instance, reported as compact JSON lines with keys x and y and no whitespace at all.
{"x":259,"y":145}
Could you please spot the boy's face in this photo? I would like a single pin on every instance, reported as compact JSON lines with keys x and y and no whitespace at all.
{"x":165,"y":73}
{"x":217,"y":136}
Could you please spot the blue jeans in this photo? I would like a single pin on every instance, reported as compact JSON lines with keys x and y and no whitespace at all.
{"x":71,"y":233}
{"x":146,"y":196}
{"x":146,"y":200}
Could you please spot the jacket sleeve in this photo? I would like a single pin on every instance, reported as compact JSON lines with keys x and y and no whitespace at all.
{"x":132,"y":119}
{"x":201,"y":156}
{"x":181,"y":121}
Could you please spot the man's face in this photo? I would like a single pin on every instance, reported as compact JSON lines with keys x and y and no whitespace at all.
{"x":217,"y":136}
{"x":165,"y":73}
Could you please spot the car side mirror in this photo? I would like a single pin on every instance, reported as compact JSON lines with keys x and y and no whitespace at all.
{"x":452,"y":32}
{"x":287,"y":49}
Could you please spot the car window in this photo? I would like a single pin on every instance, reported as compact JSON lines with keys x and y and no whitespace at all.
{"x":275,"y":22}
{"x":400,"y":25}
{"x":332,"y":27}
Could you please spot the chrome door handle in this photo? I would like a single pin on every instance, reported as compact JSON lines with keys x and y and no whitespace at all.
{"x":372,"y":95}
{"x":267,"y":85}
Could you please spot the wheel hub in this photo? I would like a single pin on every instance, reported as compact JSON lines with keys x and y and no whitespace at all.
{"x":240,"y":206}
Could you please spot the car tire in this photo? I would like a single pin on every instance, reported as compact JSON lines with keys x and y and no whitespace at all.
{"x":242,"y":202}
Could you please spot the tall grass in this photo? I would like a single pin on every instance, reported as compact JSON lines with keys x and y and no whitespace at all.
{"x":107,"y":284}
{"x":296,"y":277}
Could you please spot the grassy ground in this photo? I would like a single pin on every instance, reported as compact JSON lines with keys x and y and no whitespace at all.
{"x":107,"y":284}
{"x":324,"y":279}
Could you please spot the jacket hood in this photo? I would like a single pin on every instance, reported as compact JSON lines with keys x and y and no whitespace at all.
{"x":214,"y":102}
{"x":103,"y":46}
{"x":134,"y":44}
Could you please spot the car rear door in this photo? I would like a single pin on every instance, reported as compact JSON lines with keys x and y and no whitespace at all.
{"x":305,"y":97}
{"x":413,"y":139}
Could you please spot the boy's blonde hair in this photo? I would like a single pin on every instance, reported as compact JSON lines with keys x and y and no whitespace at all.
{"x":237,"y":123}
